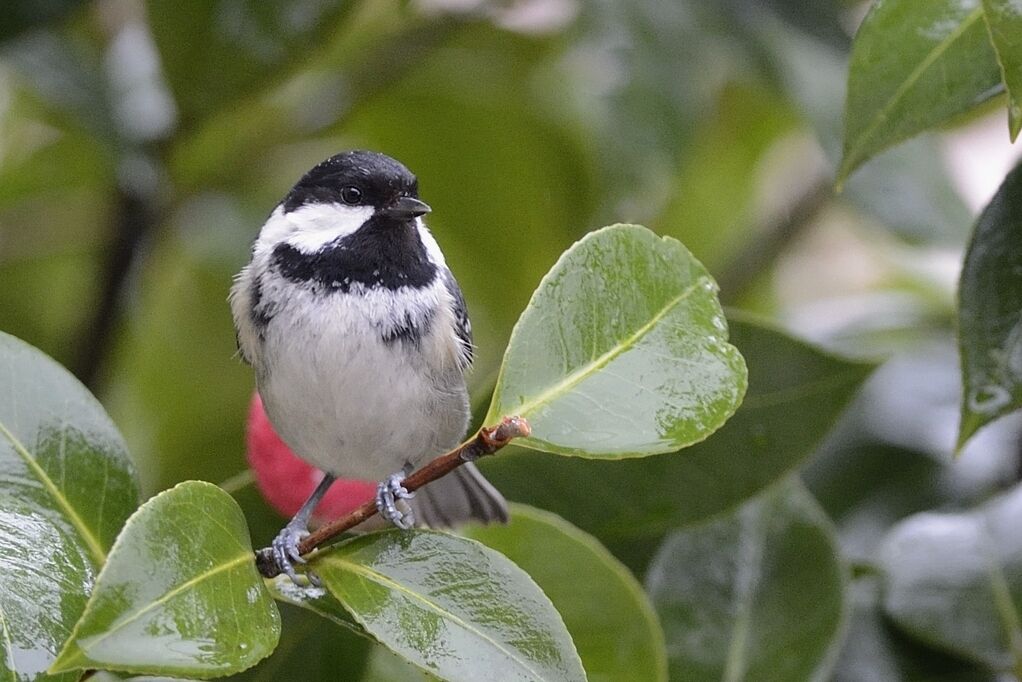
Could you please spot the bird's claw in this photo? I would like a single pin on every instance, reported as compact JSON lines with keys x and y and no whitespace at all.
{"x":285,"y":550}
{"x":388,"y":492}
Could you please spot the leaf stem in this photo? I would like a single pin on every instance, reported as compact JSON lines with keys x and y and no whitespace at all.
{"x":487,"y":441}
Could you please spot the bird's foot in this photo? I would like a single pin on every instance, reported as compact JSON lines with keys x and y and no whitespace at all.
{"x":388,"y":492}
{"x":285,"y":549}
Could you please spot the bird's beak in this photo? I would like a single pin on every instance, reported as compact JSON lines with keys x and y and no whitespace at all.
{"x":406,"y":208}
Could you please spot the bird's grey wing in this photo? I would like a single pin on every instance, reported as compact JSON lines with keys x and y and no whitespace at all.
{"x":249,"y":321}
{"x":463,"y":326}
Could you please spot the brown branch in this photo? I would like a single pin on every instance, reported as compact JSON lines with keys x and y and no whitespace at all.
{"x":487,"y":441}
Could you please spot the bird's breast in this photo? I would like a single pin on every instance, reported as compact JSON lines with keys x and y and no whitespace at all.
{"x":360,"y":384}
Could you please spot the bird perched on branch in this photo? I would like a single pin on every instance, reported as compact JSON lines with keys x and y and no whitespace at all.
{"x":360,"y":339}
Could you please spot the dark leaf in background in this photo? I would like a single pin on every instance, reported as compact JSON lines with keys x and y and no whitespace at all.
{"x":954,"y":581}
{"x":914,"y":66}
{"x":622,"y":351}
{"x":451,"y":606}
{"x":990,"y":312}
{"x":874,"y":650}
{"x":21,"y":15}
{"x":610,"y":618}
{"x":215,"y":52}
{"x":1004,"y":19}
{"x":755,"y":595}
{"x":66,"y":490}
{"x":796,"y":392}
{"x":179,"y":595}
{"x":891,"y":453}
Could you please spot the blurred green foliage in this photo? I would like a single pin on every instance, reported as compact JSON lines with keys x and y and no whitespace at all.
{"x":143,"y":143}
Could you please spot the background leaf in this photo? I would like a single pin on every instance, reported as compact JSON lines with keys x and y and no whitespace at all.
{"x":451,"y":606}
{"x":610,"y":619}
{"x":179,"y":595}
{"x":756,"y":595}
{"x":1004,"y":19}
{"x":874,"y":650}
{"x":914,"y":65}
{"x":954,"y":581}
{"x":990,"y":312}
{"x":67,"y":488}
{"x":796,"y":392}
{"x":233,"y":47}
{"x":622,"y":351}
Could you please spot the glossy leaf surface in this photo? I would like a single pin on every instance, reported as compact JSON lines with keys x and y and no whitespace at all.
{"x":66,"y":488}
{"x":622,"y":351}
{"x":755,"y":595}
{"x":1004,"y":19}
{"x":914,"y":65}
{"x":179,"y":595}
{"x":451,"y":606}
{"x":954,"y":581}
{"x":990,"y":312}
{"x":795,"y":394}
{"x":604,"y":608}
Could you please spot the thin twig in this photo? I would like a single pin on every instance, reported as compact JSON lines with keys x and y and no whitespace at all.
{"x":487,"y":441}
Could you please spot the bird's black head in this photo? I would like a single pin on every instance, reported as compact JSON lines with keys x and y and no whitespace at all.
{"x":360,"y":178}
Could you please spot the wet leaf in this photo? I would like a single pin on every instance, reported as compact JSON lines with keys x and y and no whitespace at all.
{"x":622,"y":351}
{"x":954,"y":581}
{"x":1004,"y":19}
{"x":67,"y":488}
{"x":796,"y":392}
{"x":604,"y":608}
{"x":990,"y":312}
{"x":451,"y":606}
{"x":179,"y":595}
{"x":914,"y":65}
{"x":756,"y":595}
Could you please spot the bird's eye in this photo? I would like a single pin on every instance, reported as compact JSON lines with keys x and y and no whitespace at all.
{"x":351,"y":194}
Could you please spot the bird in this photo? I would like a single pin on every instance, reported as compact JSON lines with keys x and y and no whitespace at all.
{"x":360,"y":341}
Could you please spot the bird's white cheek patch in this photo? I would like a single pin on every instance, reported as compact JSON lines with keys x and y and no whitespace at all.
{"x":312,"y":226}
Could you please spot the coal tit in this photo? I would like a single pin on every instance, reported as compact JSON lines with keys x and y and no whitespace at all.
{"x":360,"y":339}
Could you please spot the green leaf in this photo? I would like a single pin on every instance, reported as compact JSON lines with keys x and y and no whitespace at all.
{"x":990,"y":312}
{"x":233,"y":48}
{"x":756,"y":595}
{"x":622,"y":351}
{"x":954,"y":581}
{"x":451,"y":606}
{"x":67,"y":488}
{"x":311,"y":650}
{"x":914,"y":65}
{"x":604,"y":608}
{"x":179,"y":595}
{"x":315,"y":600}
{"x":1004,"y":19}
{"x":874,"y":650}
{"x":795,"y":394}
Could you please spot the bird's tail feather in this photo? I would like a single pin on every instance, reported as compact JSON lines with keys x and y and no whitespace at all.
{"x":461,"y":496}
